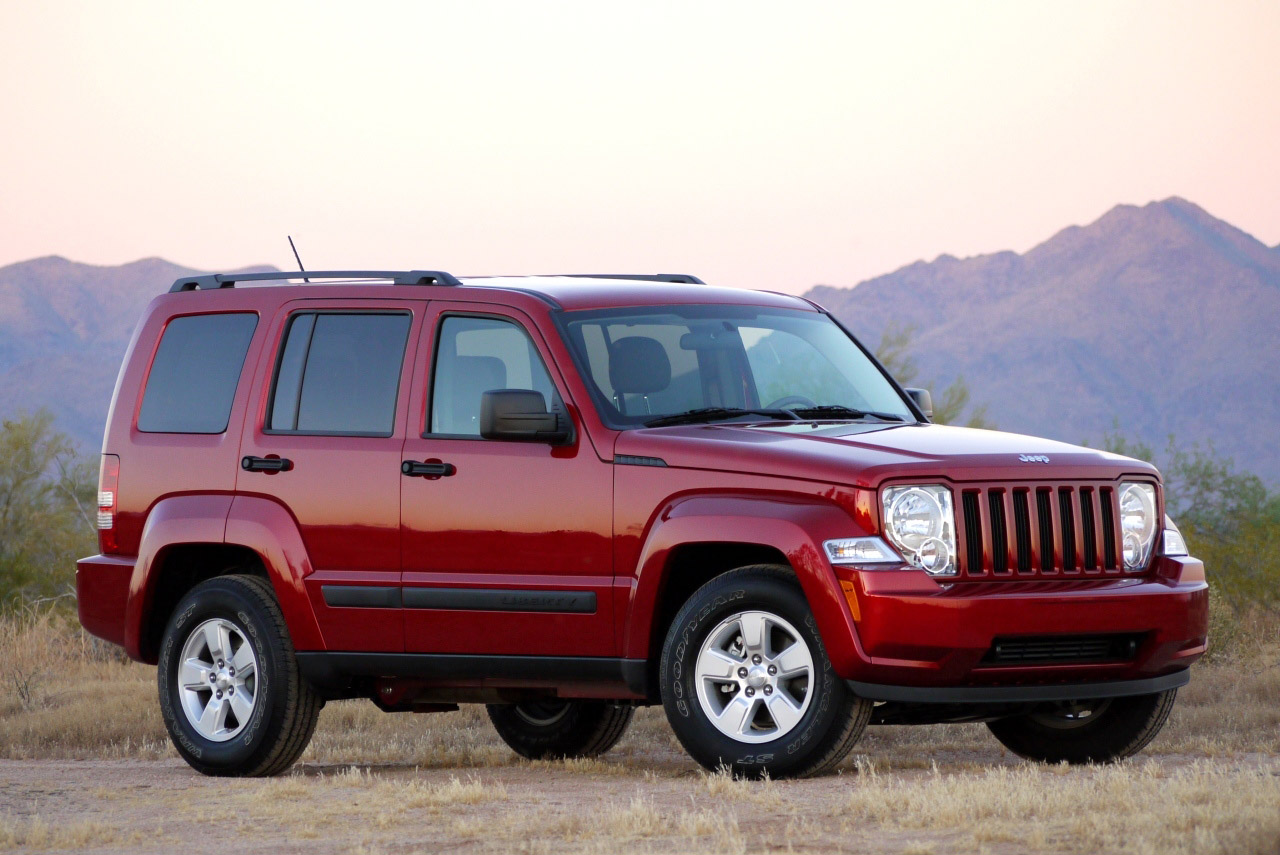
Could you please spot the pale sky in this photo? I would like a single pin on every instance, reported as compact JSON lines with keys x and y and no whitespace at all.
{"x":773,"y":145}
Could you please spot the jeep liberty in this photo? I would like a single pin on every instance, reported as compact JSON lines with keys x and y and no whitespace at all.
{"x":568,"y":496}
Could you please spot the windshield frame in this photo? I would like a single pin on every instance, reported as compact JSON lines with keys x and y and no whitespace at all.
{"x":605,"y":413}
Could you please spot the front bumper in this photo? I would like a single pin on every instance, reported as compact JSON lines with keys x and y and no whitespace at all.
{"x":1019,"y":694}
{"x":915,"y":631}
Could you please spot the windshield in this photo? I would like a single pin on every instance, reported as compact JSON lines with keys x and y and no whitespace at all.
{"x":650,"y":362}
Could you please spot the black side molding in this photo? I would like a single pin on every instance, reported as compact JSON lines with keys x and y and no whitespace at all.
{"x":361,"y":596}
{"x":500,"y":600}
{"x":332,"y":669}
{"x":1019,"y":694}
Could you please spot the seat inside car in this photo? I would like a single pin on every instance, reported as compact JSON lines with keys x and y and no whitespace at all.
{"x":638,"y":365}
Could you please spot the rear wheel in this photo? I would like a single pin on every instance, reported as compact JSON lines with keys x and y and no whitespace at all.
{"x":230,"y":692}
{"x":747,"y":684}
{"x":555,"y":729}
{"x":1097,"y":731}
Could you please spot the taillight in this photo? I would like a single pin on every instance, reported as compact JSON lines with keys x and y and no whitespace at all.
{"x":108,"y":490}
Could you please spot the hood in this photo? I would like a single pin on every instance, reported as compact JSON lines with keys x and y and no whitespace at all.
{"x":863,"y":454}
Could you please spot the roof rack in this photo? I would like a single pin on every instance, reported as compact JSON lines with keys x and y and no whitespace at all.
{"x":683,"y":278}
{"x":213,"y":281}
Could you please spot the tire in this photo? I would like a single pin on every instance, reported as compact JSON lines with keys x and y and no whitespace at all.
{"x":277,"y":708}
{"x":557,"y":729}
{"x":1087,"y":731}
{"x":819,"y":719}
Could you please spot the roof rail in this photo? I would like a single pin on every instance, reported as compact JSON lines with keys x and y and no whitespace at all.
{"x":213,"y":281}
{"x":683,"y":278}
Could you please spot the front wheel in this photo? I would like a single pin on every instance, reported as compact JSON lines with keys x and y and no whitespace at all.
{"x":1098,"y":731}
{"x":230,"y":692}
{"x":746,"y":682}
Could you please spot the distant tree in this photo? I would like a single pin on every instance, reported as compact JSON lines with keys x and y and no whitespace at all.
{"x":47,"y":507}
{"x":949,"y":405}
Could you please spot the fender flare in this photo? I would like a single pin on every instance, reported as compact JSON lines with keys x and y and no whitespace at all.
{"x":268,"y":529}
{"x":794,"y":526}
{"x":257,"y":524}
{"x":172,"y":521}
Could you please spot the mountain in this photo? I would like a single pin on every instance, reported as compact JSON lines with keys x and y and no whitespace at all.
{"x":64,"y":327}
{"x":1161,"y":319}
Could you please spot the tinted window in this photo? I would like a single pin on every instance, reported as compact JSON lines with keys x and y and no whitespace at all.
{"x":339,"y":374}
{"x":194,"y":376}
{"x":478,"y":355}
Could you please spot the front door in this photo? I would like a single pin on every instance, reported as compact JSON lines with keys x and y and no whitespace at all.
{"x":335,"y":406}
{"x":509,"y":552}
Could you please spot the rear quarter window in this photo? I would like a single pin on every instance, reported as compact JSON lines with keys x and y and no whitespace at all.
{"x":195,"y":373}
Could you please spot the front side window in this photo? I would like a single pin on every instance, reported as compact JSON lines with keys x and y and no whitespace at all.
{"x":195,"y":373}
{"x":649,"y":362}
{"x":478,"y":355}
{"x":339,"y":374}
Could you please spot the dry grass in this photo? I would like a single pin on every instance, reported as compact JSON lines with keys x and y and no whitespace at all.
{"x":374,"y":782}
{"x":1141,"y":807}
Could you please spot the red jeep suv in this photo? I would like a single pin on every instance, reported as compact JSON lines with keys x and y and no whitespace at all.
{"x":567,"y":496}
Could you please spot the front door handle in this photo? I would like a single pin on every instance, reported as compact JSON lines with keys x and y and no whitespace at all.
{"x":266,"y":464}
{"x":413,"y":468}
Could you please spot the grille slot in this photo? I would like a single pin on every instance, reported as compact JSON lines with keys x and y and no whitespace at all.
{"x":1067,"y":509}
{"x":999,"y":533}
{"x":1064,"y":649}
{"x":1021,"y":531}
{"x":1108,"y":529}
{"x":1045,"y":517}
{"x":1090,"y":527}
{"x":972,"y":532}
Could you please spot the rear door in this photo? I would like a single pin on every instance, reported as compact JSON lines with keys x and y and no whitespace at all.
{"x":510,"y":552}
{"x":333,"y":404}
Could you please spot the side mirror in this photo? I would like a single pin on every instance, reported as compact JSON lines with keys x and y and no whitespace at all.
{"x":520,"y":414}
{"x":923,"y":401}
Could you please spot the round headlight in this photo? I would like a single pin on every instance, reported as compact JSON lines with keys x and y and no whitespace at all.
{"x":1138,"y":522}
{"x":920,"y":521}
{"x":914,"y":517}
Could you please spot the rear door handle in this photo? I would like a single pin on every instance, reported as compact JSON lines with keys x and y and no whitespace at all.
{"x":266,"y":464}
{"x":413,"y":468}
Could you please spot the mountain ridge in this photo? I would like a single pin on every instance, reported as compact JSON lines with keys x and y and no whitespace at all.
{"x":64,"y":327}
{"x":1155,"y":318}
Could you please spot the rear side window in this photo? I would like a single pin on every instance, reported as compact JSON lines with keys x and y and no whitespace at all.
{"x":194,"y":376}
{"x":339,"y":374}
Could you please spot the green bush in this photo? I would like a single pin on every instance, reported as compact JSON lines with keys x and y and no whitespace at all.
{"x":48,"y":509}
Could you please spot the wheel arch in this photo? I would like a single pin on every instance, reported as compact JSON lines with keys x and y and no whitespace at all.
{"x":188,"y":539}
{"x":696,"y":539}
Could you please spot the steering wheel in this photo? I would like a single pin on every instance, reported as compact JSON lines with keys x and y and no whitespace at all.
{"x":790,"y":401}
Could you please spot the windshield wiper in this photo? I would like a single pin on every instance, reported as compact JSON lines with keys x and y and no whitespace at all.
{"x":712,"y":414}
{"x":847,"y":412}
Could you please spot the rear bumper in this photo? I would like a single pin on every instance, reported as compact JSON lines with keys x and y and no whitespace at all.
{"x":914,"y":632}
{"x":102,"y":592}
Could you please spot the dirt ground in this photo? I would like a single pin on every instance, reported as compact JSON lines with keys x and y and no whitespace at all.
{"x":900,"y":793}
{"x":85,"y":766}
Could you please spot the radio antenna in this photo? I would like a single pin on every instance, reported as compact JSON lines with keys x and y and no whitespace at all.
{"x":295,"y":255}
